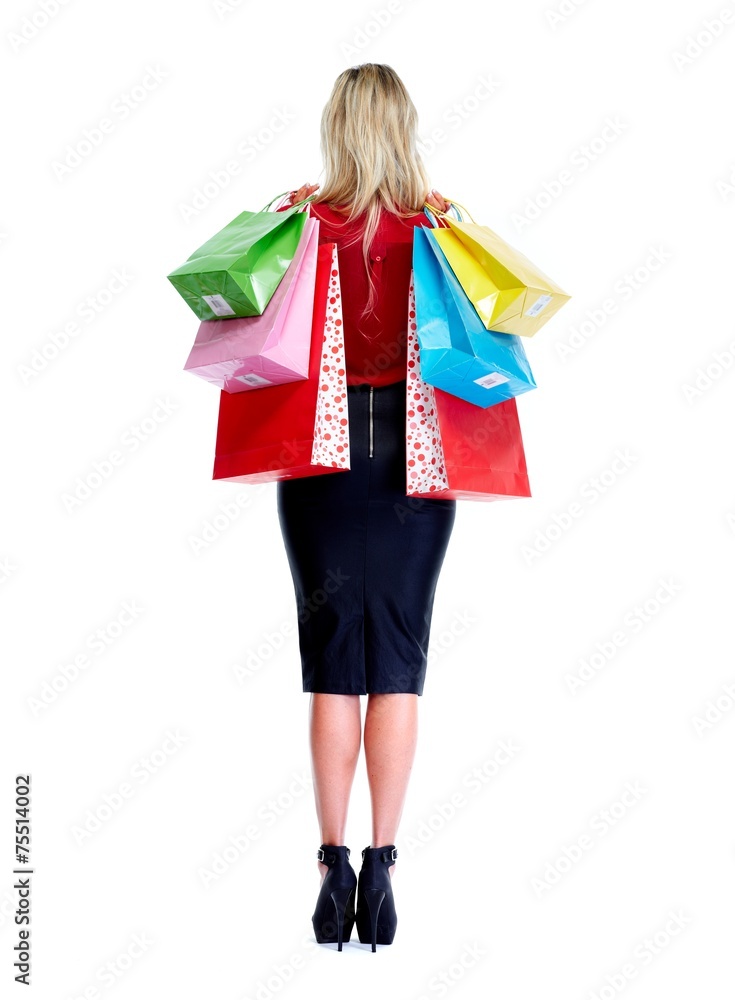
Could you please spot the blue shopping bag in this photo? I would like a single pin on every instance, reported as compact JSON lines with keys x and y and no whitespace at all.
{"x":456,"y":352}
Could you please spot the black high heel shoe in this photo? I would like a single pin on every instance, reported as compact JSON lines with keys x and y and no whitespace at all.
{"x":376,"y":913}
{"x":334,"y":916}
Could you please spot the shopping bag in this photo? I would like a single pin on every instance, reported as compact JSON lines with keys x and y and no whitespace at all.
{"x":259,"y":351}
{"x":510,"y":294}
{"x":236,"y":272}
{"x":457,"y":353}
{"x":454,"y":449}
{"x":297,"y":428}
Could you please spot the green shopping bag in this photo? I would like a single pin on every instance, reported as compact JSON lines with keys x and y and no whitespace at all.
{"x":236,"y":272}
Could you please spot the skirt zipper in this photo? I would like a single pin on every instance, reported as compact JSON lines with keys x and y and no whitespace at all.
{"x":371,"y":422}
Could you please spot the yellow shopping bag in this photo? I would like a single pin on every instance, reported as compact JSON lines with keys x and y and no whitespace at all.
{"x":510,"y":294}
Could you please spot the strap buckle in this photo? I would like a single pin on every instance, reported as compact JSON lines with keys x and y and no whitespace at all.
{"x":393,"y":854}
{"x":320,"y":855}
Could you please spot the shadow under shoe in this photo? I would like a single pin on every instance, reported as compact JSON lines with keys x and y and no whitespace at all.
{"x":334,"y":916}
{"x":376,"y":913}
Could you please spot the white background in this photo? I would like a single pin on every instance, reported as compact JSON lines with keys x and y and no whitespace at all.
{"x":494,"y":879}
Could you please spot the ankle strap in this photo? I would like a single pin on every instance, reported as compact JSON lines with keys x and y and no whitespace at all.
{"x":385,"y":854}
{"x":329,"y":854}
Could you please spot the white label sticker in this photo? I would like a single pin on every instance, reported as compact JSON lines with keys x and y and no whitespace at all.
{"x":541,"y":301}
{"x":218,"y":305}
{"x":491,"y":379}
{"x":252,"y":379}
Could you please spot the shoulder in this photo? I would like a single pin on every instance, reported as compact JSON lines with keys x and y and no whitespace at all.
{"x":329,"y":211}
{"x":398,"y":224}
{"x":337,"y":226}
{"x":340,"y":213}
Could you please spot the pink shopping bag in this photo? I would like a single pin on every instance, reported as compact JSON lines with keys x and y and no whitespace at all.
{"x":295,"y":430}
{"x":258,"y":351}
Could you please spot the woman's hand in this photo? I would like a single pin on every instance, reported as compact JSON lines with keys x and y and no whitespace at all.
{"x":305,"y":191}
{"x":435,"y":199}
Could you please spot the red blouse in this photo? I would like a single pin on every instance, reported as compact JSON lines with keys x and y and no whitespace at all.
{"x":380,"y":360}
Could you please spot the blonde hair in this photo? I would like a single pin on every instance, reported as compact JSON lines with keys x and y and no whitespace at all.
{"x":368,"y":143}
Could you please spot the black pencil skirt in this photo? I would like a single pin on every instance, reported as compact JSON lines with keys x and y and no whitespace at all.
{"x":365,"y":557}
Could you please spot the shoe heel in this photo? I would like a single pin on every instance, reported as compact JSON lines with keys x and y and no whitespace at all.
{"x":374,"y":899}
{"x":341,"y":899}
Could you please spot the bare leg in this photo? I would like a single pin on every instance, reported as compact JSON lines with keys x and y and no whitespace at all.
{"x":334,"y":735}
{"x":391,"y":726}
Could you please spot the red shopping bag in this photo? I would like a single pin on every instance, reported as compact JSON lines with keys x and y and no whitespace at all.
{"x":456,"y":450}
{"x":297,"y":428}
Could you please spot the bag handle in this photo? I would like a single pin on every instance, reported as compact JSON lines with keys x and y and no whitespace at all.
{"x":453,"y":204}
{"x":437,"y":217}
{"x":298,"y":203}
{"x":429,"y":213}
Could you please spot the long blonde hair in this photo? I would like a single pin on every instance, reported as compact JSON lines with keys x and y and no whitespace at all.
{"x":368,"y":143}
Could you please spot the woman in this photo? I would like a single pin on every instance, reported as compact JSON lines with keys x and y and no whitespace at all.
{"x":357,"y":526}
